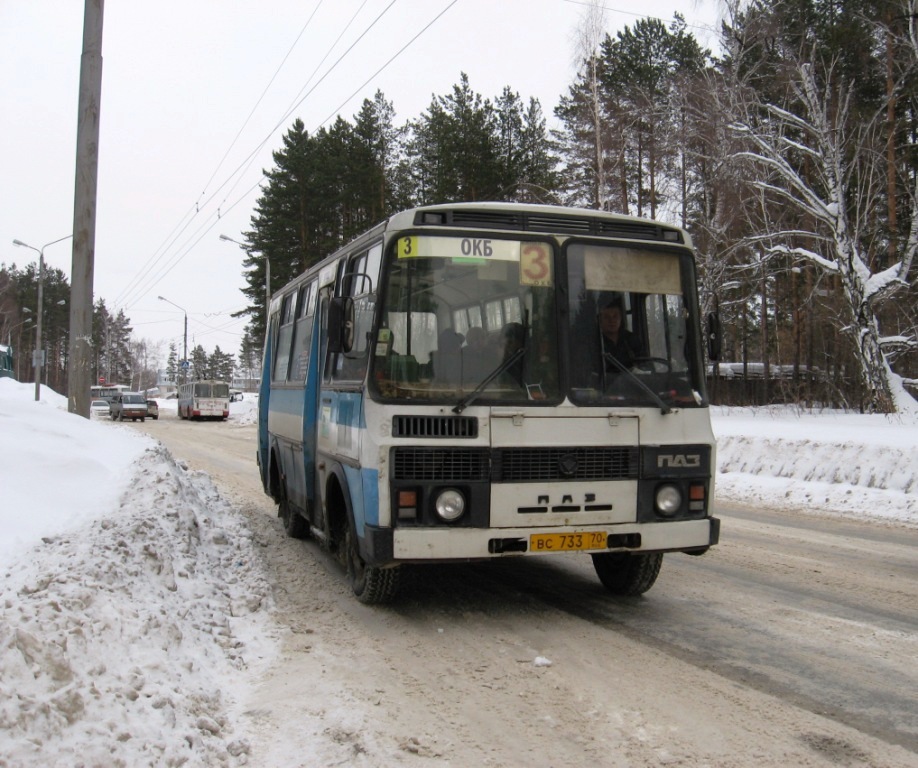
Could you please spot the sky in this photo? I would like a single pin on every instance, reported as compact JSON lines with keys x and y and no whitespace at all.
{"x":196,"y":96}
{"x":136,"y":616}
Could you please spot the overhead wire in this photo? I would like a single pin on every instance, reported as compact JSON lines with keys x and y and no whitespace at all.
{"x":252,"y":157}
{"x":246,"y":164}
{"x":383,"y":67}
{"x":135,"y":284}
{"x":263,"y":94}
{"x":636,"y":14}
{"x":125,"y":296}
{"x":141,"y":284}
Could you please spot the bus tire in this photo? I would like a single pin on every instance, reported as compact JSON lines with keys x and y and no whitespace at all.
{"x":295,"y":524}
{"x":370,"y":584}
{"x":629,"y":575}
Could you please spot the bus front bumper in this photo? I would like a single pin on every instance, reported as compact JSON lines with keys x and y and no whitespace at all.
{"x":444,"y":544}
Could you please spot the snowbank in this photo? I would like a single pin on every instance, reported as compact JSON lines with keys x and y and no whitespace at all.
{"x":848,"y":464}
{"x":127,"y":638}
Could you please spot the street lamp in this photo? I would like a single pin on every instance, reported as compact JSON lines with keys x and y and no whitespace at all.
{"x":185,"y":346}
{"x":9,"y":340}
{"x":267,"y":270}
{"x":37,"y":354}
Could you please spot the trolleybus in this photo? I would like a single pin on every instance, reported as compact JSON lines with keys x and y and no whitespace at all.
{"x":441,"y":389}
{"x":106,"y":391}
{"x":203,"y":400}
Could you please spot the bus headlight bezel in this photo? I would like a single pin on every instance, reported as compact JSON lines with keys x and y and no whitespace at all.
{"x":668,"y":499}
{"x":450,"y":505}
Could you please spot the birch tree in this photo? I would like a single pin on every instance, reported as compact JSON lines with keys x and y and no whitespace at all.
{"x":591,"y":32}
{"x":816,"y":162}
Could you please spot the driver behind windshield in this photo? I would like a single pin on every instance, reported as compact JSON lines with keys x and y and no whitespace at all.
{"x":617,"y":341}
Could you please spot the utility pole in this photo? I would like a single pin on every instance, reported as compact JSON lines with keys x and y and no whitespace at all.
{"x":185,"y":344}
{"x":79,"y":377}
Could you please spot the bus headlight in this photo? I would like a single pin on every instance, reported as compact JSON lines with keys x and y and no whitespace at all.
{"x":450,"y":505}
{"x":668,"y":500}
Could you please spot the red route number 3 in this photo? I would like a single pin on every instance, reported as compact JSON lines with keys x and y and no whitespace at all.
{"x":535,"y":264}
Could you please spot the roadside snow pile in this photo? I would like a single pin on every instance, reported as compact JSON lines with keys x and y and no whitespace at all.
{"x":245,"y":411}
{"x":49,"y":459}
{"x":124,"y":641}
{"x":853,"y":464}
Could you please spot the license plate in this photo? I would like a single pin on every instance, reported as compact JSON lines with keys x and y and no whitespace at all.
{"x":567,"y":542}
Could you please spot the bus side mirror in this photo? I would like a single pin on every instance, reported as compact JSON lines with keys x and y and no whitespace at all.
{"x":714,"y":335}
{"x":341,"y":324}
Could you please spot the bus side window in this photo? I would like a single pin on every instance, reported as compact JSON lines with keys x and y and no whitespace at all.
{"x":302,"y":335}
{"x":284,"y":337}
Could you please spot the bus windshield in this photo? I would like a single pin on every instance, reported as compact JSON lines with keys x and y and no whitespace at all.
{"x":462,"y":314}
{"x":211,"y":389}
{"x":629,"y":328}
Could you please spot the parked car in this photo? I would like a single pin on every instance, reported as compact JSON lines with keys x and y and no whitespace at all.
{"x":128,"y":405}
{"x":99,"y":408}
{"x":152,"y":409}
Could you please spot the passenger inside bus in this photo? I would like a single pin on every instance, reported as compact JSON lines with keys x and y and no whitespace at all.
{"x":479,"y":358}
{"x":447,"y":359}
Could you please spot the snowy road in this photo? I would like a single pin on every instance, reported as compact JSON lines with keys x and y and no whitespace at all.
{"x":793,"y":642}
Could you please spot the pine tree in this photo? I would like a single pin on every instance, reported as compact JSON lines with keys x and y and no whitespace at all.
{"x":220,"y":366}
{"x":200,"y":364}
{"x":250,"y":353}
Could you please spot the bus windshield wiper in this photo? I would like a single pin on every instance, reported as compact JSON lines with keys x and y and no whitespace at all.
{"x":664,"y":407}
{"x":466,"y":401}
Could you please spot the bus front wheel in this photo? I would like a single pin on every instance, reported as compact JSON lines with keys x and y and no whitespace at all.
{"x":370,"y":584}
{"x":624,"y":574}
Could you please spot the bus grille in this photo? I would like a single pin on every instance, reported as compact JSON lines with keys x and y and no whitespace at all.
{"x":514,"y":465}
{"x":435,"y":426}
{"x":448,"y":464}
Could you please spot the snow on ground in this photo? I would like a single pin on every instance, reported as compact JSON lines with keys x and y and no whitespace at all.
{"x":135,"y":617}
{"x":133,"y":613}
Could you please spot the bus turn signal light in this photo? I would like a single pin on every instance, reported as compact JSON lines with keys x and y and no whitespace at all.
{"x":407,"y":505}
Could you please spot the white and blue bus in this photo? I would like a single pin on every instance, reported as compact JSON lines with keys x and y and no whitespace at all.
{"x":444,"y":388}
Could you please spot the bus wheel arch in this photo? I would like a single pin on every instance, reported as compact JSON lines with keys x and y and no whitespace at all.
{"x":370,"y":584}
{"x":337,"y":511}
{"x":295,"y":525}
{"x":274,"y":473}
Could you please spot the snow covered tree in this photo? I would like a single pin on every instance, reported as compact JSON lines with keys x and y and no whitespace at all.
{"x":221,"y":365}
{"x":172,"y":363}
{"x":816,"y":161}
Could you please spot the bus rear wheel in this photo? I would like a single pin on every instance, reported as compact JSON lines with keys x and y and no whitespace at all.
{"x":624,"y":574}
{"x":370,"y":584}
